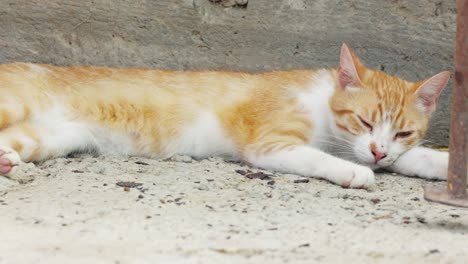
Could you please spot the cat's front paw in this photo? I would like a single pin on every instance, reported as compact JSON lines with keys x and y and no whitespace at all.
{"x":423,"y":163}
{"x":434,"y":165}
{"x":9,"y":161}
{"x":353,"y":176}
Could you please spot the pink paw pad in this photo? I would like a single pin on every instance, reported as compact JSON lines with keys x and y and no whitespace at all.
{"x":5,"y":165}
{"x":9,"y":160}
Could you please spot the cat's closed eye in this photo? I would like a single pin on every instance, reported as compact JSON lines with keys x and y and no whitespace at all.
{"x":403,"y":134}
{"x":366,"y":124}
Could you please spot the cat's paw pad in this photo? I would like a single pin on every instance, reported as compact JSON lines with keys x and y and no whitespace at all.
{"x":9,"y":161}
{"x":358,"y":177}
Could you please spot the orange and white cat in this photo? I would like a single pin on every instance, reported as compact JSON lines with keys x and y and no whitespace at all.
{"x":335,"y":124}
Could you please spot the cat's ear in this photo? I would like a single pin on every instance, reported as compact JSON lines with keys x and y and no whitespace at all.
{"x":428,"y":91}
{"x":350,"y":67}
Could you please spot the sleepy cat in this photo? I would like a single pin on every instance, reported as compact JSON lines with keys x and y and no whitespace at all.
{"x":335,"y":124}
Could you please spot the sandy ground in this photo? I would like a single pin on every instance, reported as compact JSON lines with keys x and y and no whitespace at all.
{"x":188,"y":211}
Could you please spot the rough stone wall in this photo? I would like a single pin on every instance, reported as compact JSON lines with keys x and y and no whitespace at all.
{"x":410,"y":38}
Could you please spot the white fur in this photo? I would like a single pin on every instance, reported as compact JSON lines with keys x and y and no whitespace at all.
{"x":110,"y":142}
{"x":422,"y":162}
{"x":202,"y":139}
{"x":59,"y":133}
{"x":315,"y":102}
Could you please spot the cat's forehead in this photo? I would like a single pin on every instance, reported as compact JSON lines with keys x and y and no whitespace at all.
{"x":391,"y":92}
{"x":393,"y":101}
{"x":384,"y":84}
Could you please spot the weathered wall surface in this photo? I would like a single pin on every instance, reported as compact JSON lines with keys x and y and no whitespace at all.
{"x":410,"y":38}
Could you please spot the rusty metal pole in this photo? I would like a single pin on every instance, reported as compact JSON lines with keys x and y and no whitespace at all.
{"x":455,"y":193}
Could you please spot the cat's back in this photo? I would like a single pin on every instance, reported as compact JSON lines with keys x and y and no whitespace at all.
{"x":148,"y":84}
{"x":81,"y":77}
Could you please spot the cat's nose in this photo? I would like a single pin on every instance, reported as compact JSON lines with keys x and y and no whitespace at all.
{"x":378,"y":155}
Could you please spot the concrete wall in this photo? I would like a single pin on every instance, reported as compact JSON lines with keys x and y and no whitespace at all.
{"x":410,"y":38}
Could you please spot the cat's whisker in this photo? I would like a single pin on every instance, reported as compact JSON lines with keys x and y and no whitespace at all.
{"x":331,"y":144}
{"x":343,"y":140}
{"x":426,"y":141}
{"x":340,"y":143}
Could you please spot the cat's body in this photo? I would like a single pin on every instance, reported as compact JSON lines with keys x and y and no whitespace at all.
{"x":281,"y":120}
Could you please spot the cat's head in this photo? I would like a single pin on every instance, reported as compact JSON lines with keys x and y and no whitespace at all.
{"x":380,"y":116}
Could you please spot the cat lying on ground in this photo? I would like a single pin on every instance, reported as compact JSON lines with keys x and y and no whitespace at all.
{"x":335,"y":124}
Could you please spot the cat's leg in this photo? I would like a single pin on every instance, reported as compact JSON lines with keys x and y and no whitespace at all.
{"x":33,"y":142}
{"x":422,"y":162}
{"x":310,"y":162}
{"x":12,"y":111}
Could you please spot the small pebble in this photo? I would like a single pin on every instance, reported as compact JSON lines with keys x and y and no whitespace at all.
{"x":301,"y":181}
